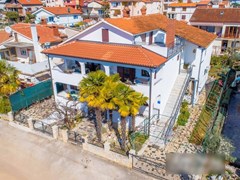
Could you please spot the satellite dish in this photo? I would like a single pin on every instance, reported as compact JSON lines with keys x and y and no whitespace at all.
{"x":8,"y":29}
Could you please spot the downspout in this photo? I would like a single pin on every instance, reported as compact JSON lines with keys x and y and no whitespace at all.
{"x":51,"y":76}
{"x":199,"y":69}
{"x":150,"y":102}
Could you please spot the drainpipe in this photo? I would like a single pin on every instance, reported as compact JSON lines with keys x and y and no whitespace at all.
{"x":199,"y":69}
{"x":150,"y":102}
{"x":51,"y":77}
{"x":35,"y":39}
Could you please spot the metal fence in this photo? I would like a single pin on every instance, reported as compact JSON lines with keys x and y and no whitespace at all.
{"x":28,"y":96}
{"x":75,"y":138}
{"x":42,"y":127}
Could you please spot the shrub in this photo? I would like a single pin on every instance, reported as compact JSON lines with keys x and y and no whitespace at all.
{"x":139,"y":140}
{"x":5,"y":106}
{"x":12,"y":16}
{"x":184,"y":114}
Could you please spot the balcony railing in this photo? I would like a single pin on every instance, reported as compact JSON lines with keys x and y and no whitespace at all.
{"x":174,"y":50}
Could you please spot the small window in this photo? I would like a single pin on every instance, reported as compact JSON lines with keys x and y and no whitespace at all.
{"x":145,"y":73}
{"x":105,"y":35}
{"x":173,"y":8}
{"x":183,"y":17}
{"x":50,"y":19}
{"x":100,"y":12}
{"x":115,"y":4}
{"x":23,"y":52}
{"x":184,"y":8}
{"x":75,"y":17}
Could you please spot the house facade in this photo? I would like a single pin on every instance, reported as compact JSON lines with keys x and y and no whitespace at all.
{"x":120,"y":8}
{"x":23,"y":49}
{"x":22,"y":7}
{"x":224,"y":22}
{"x":93,"y":9}
{"x":66,"y":16}
{"x":148,"y":52}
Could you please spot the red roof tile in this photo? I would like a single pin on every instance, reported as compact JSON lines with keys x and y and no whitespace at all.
{"x":62,"y":10}
{"x":141,"y":24}
{"x":182,"y":5}
{"x":116,"y":53}
{"x":216,"y":15}
{"x":46,"y":34}
{"x":30,"y":2}
{"x":4,"y":36}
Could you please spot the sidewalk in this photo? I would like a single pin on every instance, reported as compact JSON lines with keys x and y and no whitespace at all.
{"x":27,"y":156}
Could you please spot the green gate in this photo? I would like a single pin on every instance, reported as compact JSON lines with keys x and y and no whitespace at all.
{"x":28,"y":96}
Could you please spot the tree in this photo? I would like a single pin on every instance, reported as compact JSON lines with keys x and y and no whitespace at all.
{"x":106,"y":9}
{"x":9,"y":83}
{"x":29,"y":18}
{"x":90,"y":92}
{"x":108,"y":93}
{"x":12,"y":16}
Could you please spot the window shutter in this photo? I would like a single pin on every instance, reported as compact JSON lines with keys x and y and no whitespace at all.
{"x":105,"y":35}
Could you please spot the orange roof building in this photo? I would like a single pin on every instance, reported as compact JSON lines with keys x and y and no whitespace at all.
{"x":62,"y":10}
{"x":4,"y":36}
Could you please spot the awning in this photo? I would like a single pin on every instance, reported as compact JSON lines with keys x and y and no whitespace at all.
{"x":18,"y":44}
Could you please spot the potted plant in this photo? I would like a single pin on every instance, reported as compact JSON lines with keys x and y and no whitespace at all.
{"x":185,"y":65}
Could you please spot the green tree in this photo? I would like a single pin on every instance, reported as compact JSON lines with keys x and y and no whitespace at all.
{"x":29,"y":18}
{"x":106,"y":9}
{"x":12,"y":16}
{"x":90,"y":92}
{"x":9,"y":83}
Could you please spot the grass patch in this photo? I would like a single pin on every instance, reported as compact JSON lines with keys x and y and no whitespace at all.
{"x":138,"y":140}
{"x":5,"y":105}
{"x":184,"y":114}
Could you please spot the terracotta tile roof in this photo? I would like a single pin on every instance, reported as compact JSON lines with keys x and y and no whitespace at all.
{"x":30,"y":2}
{"x":141,"y":24}
{"x":4,"y":36}
{"x":182,"y":5}
{"x":216,"y":15}
{"x":46,"y":34}
{"x":204,"y":2}
{"x":62,"y":10}
{"x":116,"y":53}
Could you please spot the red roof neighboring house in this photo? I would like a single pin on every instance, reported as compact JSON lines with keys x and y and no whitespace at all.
{"x":62,"y":10}
{"x":30,"y":2}
{"x":182,"y":5}
{"x":4,"y":36}
{"x":141,"y":24}
{"x":45,"y":33}
{"x":115,"y":53}
{"x":216,"y":15}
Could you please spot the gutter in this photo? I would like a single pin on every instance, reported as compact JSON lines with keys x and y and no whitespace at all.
{"x":200,"y":65}
{"x":150,"y":101}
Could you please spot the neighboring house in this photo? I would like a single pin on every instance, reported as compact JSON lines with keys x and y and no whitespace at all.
{"x":23,"y":6}
{"x":154,"y":55}
{"x":121,"y":8}
{"x":22,"y":49}
{"x":93,"y":9}
{"x":54,"y":3}
{"x":224,"y":22}
{"x":181,"y":11}
{"x":66,"y":16}
{"x":2,"y":4}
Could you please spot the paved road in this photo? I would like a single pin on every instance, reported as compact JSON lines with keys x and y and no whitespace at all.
{"x":27,"y":156}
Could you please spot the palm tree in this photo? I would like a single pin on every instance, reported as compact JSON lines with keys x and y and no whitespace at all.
{"x":123,"y":103}
{"x":90,"y":92}
{"x":108,"y":93}
{"x":9,"y":83}
{"x":138,"y":100}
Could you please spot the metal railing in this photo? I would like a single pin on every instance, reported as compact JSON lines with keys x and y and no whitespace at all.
{"x":169,"y":126}
{"x":42,"y":127}
{"x":174,"y":50}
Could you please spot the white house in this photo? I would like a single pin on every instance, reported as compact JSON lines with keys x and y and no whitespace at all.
{"x":120,"y":8}
{"x":154,"y":55}
{"x":224,"y":22}
{"x":66,"y":16}
{"x":181,"y":11}
{"x":93,"y":9}
{"x":23,"y":6}
{"x":22,"y":49}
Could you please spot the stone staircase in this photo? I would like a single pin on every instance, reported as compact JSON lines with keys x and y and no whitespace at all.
{"x":159,"y":127}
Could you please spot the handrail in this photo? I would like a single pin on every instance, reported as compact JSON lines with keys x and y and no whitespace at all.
{"x":176,"y":108}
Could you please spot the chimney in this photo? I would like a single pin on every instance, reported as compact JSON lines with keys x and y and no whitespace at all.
{"x":55,"y":31}
{"x":144,"y":10}
{"x":36,"y":45}
{"x":170,"y":38}
{"x":126,"y":11}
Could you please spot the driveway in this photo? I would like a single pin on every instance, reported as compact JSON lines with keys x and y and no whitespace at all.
{"x":27,"y":156}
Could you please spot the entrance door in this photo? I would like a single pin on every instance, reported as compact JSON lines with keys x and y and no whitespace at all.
{"x":126,"y":73}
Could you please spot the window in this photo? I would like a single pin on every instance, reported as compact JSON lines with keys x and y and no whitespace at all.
{"x":183,"y":17}
{"x":100,"y":12}
{"x":143,"y":37}
{"x":50,"y":19}
{"x":115,"y":4}
{"x":105,"y":35}
{"x":75,"y":17}
{"x":23,"y":52}
{"x":145,"y":73}
{"x":173,"y":8}
{"x":184,"y":8}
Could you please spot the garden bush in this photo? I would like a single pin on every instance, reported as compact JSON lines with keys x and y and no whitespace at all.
{"x":5,"y":106}
{"x":139,"y":140}
{"x":184,"y":114}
